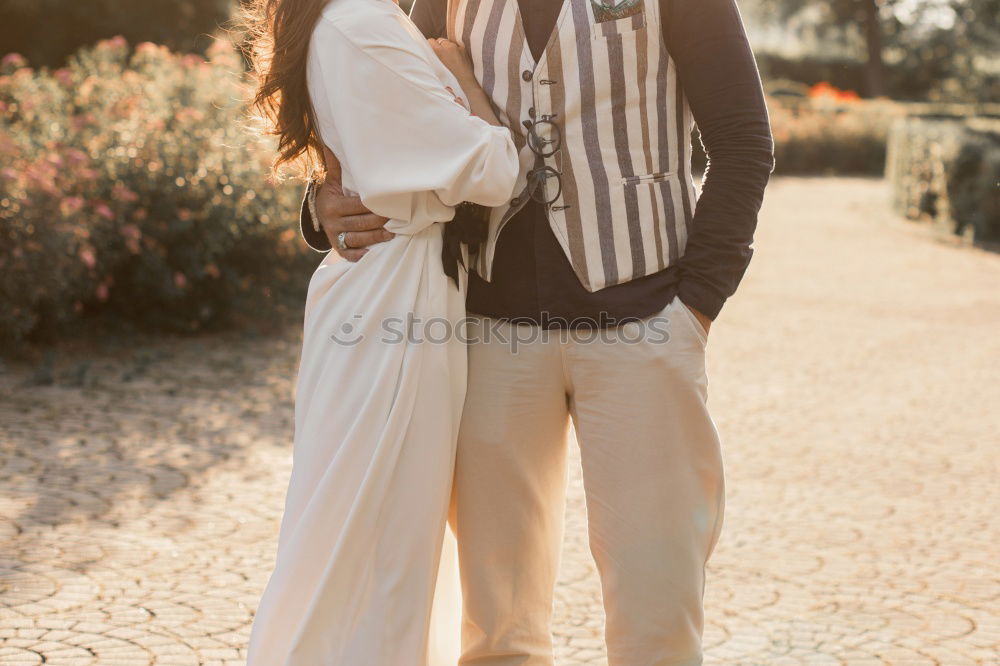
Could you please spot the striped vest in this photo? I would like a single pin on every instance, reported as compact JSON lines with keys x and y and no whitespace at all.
{"x":627,"y":196}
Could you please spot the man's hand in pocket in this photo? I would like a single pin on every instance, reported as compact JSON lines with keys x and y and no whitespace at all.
{"x":705,"y":322}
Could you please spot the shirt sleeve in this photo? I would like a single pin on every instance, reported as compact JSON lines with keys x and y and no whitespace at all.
{"x":716,"y":67}
{"x":412,"y":149}
{"x":430,"y":16}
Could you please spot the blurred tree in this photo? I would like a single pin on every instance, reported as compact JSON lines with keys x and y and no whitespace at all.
{"x":46,"y":31}
{"x":875,"y":72}
{"x":911,"y":48}
{"x":849,"y":20}
{"x":976,"y":34}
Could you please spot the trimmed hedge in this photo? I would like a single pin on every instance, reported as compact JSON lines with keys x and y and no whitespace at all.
{"x":129,"y":186}
{"x":825,"y":136}
{"x":947,"y":170}
{"x":826,"y":131}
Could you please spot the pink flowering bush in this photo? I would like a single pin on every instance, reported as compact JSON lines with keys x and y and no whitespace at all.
{"x":129,"y":185}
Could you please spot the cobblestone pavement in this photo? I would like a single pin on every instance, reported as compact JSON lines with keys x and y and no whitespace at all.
{"x":853,"y":380}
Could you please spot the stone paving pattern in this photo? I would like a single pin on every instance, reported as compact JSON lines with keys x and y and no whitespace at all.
{"x":853,"y":378}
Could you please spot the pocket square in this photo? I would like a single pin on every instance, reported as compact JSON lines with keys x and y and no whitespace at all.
{"x":609,"y":10}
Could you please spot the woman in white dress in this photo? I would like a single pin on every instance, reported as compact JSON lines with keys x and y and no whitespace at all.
{"x":381,"y":380}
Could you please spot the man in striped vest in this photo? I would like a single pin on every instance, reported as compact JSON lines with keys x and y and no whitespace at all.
{"x":606,"y":236}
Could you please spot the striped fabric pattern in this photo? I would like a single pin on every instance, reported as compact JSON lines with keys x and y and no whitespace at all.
{"x":627,"y":192}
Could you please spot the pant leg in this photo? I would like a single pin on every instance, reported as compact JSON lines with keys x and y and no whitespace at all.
{"x":653,"y":476}
{"x":510,"y":485}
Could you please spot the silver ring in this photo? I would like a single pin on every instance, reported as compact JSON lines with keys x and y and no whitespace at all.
{"x":342,"y":241}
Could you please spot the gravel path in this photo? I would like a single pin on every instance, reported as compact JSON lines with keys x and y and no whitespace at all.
{"x":854,"y":380}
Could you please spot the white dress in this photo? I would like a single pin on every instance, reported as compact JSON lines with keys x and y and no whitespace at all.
{"x":377,"y":411}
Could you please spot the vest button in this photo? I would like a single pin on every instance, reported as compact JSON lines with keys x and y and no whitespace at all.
{"x":516,"y":201}
{"x":526,"y":75}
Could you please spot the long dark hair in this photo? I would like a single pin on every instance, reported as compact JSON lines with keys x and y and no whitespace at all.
{"x":278,"y":36}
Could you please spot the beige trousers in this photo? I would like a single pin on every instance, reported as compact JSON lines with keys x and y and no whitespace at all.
{"x":653,"y":474}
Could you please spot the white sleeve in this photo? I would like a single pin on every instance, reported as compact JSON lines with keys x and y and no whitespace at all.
{"x":412,"y":151}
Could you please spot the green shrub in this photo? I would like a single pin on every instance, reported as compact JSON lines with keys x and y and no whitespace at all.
{"x":130,"y":186}
{"x":947,"y":170}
